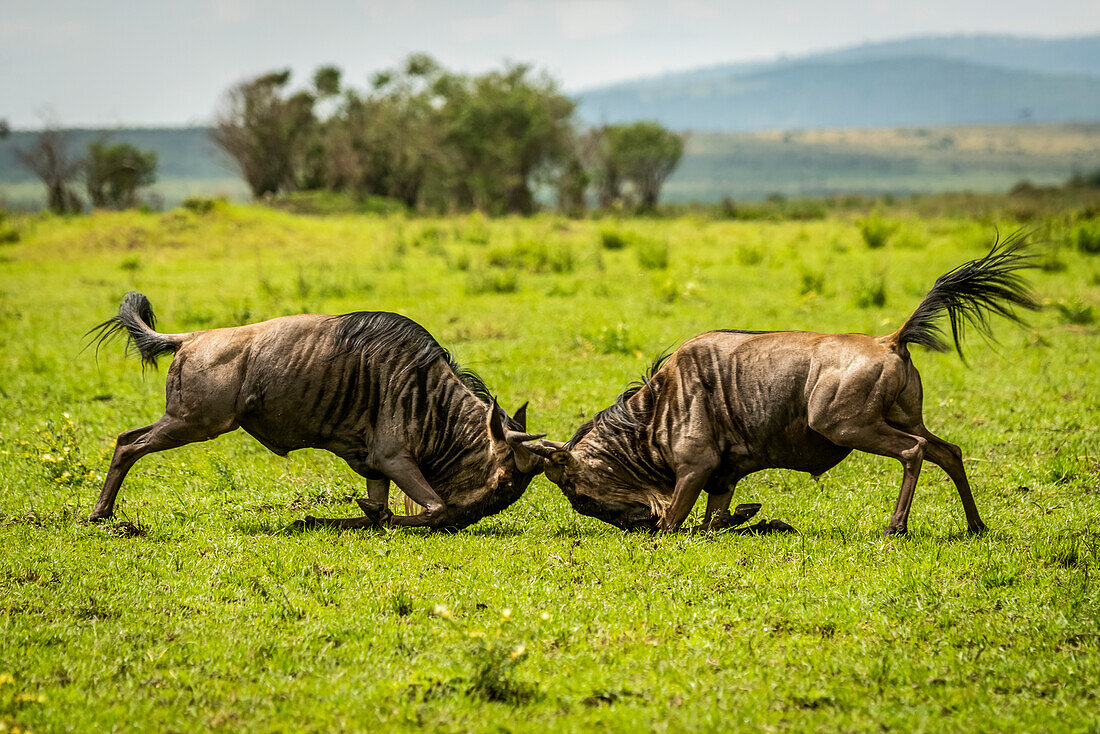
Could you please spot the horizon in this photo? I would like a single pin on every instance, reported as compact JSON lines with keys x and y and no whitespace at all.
{"x":169,"y":67}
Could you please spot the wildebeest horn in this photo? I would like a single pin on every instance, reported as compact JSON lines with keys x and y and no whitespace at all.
{"x":514,"y":437}
{"x":546,"y":449}
{"x":521,"y":417}
{"x":526,"y":460}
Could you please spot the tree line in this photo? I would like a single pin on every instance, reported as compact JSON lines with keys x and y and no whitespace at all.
{"x":432,"y":139}
{"x":439,"y":141}
{"x":112,"y":173}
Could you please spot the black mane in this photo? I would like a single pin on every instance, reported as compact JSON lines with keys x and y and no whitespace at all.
{"x":391,"y":336}
{"x":619,"y":415}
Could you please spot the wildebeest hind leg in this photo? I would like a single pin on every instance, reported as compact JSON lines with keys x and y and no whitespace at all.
{"x":167,"y":433}
{"x":948,"y":457}
{"x":883,"y":439}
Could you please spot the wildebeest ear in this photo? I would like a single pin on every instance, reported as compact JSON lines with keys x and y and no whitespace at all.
{"x":495,"y":424}
{"x":521,"y":417}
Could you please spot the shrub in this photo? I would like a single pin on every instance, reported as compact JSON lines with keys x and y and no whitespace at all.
{"x":1075,"y":312}
{"x":612,"y":239}
{"x":475,"y":229}
{"x":492,"y":281}
{"x":652,"y":254}
{"x":876,"y":231}
{"x":872,"y":293}
{"x":201,"y":204}
{"x":8,"y":232}
{"x":813,"y":281}
{"x":614,"y":340}
{"x":536,"y":257}
{"x":1086,"y":235}
{"x":749,"y":255}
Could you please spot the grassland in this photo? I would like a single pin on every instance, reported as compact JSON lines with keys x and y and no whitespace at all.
{"x":213,"y":615}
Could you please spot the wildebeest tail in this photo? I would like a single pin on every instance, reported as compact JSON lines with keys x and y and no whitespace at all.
{"x":135,"y":317}
{"x":970,"y":293}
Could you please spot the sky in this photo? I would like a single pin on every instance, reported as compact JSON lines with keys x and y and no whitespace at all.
{"x":122,"y":62}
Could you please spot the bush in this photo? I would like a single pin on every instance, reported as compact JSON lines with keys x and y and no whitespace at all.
{"x":1075,"y":312}
{"x":872,"y":293}
{"x":652,"y":254}
{"x":8,"y":232}
{"x":201,"y":204}
{"x":747,"y":255}
{"x":322,"y":203}
{"x":492,"y":281}
{"x":876,"y":231}
{"x":1086,"y":236}
{"x":612,"y":239}
{"x":614,"y":339}
{"x":535,"y":257}
{"x":813,"y":281}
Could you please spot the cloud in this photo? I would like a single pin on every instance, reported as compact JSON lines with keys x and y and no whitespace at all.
{"x":578,"y":19}
{"x":573,"y":19}
{"x":29,"y":31}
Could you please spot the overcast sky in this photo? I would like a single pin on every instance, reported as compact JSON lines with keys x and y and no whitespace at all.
{"x":114,"y":62}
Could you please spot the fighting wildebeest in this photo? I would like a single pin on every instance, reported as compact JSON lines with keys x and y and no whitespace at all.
{"x":374,"y":388}
{"x":728,"y":403}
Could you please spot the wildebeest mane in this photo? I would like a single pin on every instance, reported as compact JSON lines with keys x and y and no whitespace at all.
{"x":386,"y":335}
{"x":619,"y":415}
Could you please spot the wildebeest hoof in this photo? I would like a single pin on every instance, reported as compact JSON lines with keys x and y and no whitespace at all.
{"x":743,"y":513}
{"x":740,"y":515}
{"x":305,"y":523}
{"x":978,"y":529}
{"x":377,"y":511}
{"x":768,"y":527}
{"x":94,"y":518}
{"x":892,"y":530}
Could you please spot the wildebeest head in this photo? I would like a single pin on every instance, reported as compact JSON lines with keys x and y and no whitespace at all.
{"x":600,"y":487}
{"x":512,"y":460}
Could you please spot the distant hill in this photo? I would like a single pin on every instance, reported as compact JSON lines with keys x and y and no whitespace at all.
{"x":956,"y":80}
{"x":183,"y":152}
{"x":742,"y":165}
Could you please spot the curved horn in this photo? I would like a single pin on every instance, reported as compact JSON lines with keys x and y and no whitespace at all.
{"x":520,"y":417}
{"x":546,"y":449}
{"x":514,"y":437}
{"x":526,"y":460}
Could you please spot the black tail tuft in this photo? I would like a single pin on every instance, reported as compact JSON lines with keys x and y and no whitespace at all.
{"x":970,"y":292}
{"x":135,"y":316}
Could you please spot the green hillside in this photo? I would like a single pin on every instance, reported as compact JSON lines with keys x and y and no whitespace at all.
{"x":895,"y":161}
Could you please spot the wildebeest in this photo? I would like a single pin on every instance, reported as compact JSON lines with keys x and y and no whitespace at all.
{"x":728,"y":403}
{"x":374,"y":388}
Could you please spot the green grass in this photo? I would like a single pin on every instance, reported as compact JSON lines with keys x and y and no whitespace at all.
{"x":208,"y":613}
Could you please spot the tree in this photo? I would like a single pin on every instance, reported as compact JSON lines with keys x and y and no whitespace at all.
{"x":645,"y":153}
{"x":503,"y":127}
{"x":114,"y":173}
{"x":48,"y":158}
{"x":5,"y":129}
{"x":263,"y":129}
{"x":593,"y":151}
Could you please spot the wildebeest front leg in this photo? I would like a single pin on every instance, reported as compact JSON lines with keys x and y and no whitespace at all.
{"x":688,"y":487}
{"x":376,"y":511}
{"x":717,"y":505}
{"x":406,"y":474}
